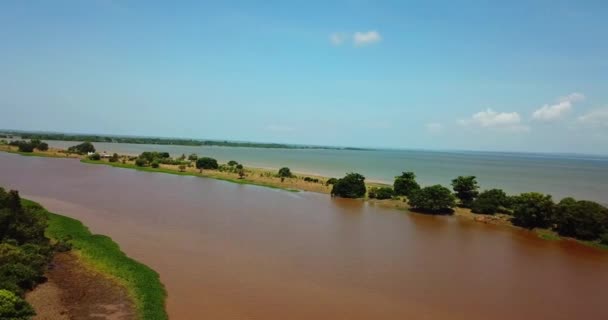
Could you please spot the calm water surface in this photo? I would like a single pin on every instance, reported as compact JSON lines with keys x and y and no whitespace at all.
{"x":229,"y":251}
{"x":584,"y":177}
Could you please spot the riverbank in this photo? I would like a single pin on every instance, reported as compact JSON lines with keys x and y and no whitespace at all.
{"x":300,"y":182}
{"x":95,"y":277}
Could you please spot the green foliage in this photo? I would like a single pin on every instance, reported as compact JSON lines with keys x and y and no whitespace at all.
{"x":533,"y":210}
{"x":114,"y":158}
{"x":285,"y":173}
{"x":331,"y":181}
{"x":140,"y":162}
{"x":95,"y":157}
{"x":466,"y":189}
{"x":490,"y":202}
{"x":586,"y":220}
{"x":433,"y":199}
{"x":380,"y":193}
{"x":42,"y":146}
{"x":232,"y":163}
{"x":155,"y":164}
{"x":206,"y":163}
{"x":193,"y":157}
{"x":182,"y":168}
{"x":82,"y":148}
{"x":239,"y":167}
{"x":309,"y":179}
{"x":405,"y":184}
{"x":13,"y":307}
{"x":604,"y":239}
{"x":351,"y":186}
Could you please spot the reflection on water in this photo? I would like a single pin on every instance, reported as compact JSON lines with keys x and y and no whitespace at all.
{"x":229,"y":251}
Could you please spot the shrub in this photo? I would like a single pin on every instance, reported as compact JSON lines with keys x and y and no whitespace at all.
{"x":331,"y":181}
{"x":206,"y":163}
{"x":380,"y":193}
{"x":155,"y":164}
{"x":433,"y":199}
{"x":585,"y":220}
{"x":466,"y":189}
{"x":193,"y":157}
{"x":351,"y":186}
{"x":604,"y":238}
{"x":532,"y":210}
{"x":405,"y":184}
{"x":182,"y":168}
{"x":285,"y":173}
{"x":114,"y":158}
{"x":82,"y":148}
{"x":490,"y":202}
{"x":232,"y":163}
{"x":13,"y":307}
{"x":140,"y":162}
{"x":95,"y":156}
{"x":42,"y":146}
{"x":239,"y":166}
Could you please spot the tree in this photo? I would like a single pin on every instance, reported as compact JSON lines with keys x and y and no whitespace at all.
{"x":533,"y":210}
{"x":241,"y":173}
{"x":380,"y":193}
{"x":182,"y":157}
{"x":95,"y":156}
{"x":26,"y":147}
{"x":586,"y":220}
{"x":466,"y":189}
{"x":43,"y":146}
{"x":155,"y":164}
{"x":405,"y":184}
{"x":285,"y":173}
{"x":114,"y":158}
{"x":239,"y":166}
{"x":193,"y":157}
{"x":140,"y":162}
{"x":13,"y":307}
{"x":433,"y":199}
{"x":351,"y":186}
{"x":82,"y":148}
{"x":206,"y":163}
{"x":490,"y":202}
{"x":182,"y":168}
{"x":331,"y":181}
{"x":232,"y":163}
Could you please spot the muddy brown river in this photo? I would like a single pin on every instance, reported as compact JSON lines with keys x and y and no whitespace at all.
{"x":229,"y":251}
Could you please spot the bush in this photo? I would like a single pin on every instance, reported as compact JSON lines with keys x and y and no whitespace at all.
{"x":155,"y":164}
{"x":285,"y":173}
{"x":206,"y":163}
{"x":43,"y":146}
{"x":13,"y":307}
{"x":182,"y":168}
{"x":193,"y":157}
{"x":114,"y":158}
{"x":433,"y":199}
{"x":140,"y":162}
{"x":82,"y":148}
{"x":232,"y":163}
{"x":331,"y":181}
{"x":406,"y":184}
{"x":466,"y":189}
{"x":604,"y":238}
{"x":380,"y":193}
{"x":586,"y":220}
{"x":533,"y":210}
{"x":309,"y":179}
{"x":95,"y":156}
{"x":490,"y":202}
{"x":351,"y":186}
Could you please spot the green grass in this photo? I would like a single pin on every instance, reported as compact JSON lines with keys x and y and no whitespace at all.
{"x":548,"y":235}
{"x":195,"y":174}
{"x":104,"y":255}
{"x":34,"y":154}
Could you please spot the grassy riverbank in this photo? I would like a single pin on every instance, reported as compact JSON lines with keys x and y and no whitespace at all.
{"x":104,"y":255}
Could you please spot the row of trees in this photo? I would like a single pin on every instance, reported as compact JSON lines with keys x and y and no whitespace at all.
{"x":29,"y":146}
{"x":582,"y":219}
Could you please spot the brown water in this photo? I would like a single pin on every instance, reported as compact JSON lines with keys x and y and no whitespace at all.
{"x":229,"y":251}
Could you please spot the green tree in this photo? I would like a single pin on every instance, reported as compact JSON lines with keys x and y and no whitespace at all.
{"x":239,"y":166}
{"x":466,"y":189}
{"x":95,"y":156}
{"x":140,"y":162}
{"x":380,"y":193}
{"x":405,"y":184}
{"x":232,"y":163}
{"x":206,"y":163}
{"x":114,"y":158}
{"x":13,"y":307}
{"x":586,"y":220}
{"x":285,"y":173}
{"x":155,"y":164}
{"x":42,"y":146}
{"x":82,"y":148}
{"x":26,"y":147}
{"x":182,"y":168}
{"x":241,"y":173}
{"x":490,"y":202}
{"x":433,"y":199}
{"x":351,"y":186}
{"x":193,"y":157}
{"x":331,"y":181}
{"x":533,"y":210}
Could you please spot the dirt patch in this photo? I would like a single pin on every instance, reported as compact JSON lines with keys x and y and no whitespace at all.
{"x":75,"y":292}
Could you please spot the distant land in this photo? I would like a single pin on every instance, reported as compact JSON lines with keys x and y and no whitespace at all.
{"x":159,"y":140}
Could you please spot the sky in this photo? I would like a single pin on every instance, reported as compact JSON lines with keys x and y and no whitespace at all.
{"x":475,"y":75}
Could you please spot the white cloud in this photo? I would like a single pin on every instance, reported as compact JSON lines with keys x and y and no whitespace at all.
{"x":556,"y":111}
{"x":338,"y":38}
{"x":434,"y":128}
{"x":366,"y":38}
{"x":595,"y":118}
{"x":499,"y":120}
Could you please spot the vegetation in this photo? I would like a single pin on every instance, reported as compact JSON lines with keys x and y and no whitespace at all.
{"x":42,"y":146}
{"x":95,"y":156}
{"x":14,"y":307}
{"x":206,"y":163}
{"x":405,"y":184}
{"x":380,"y":193}
{"x":433,"y":199}
{"x":29,"y":146}
{"x":351,"y":186}
{"x":232,"y":163}
{"x":193,"y":157}
{"x":82,"y":148}
{"x":533,"y":210}
{"x":331,"y":181}
{"x":114,"y":158}
{"x":490,"y":202}
{"x":466,"y":190}
{"x":584,"y":220}
{"x":285,"y":173}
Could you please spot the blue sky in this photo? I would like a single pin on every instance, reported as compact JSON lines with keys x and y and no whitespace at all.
{"x":512,"y":75}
